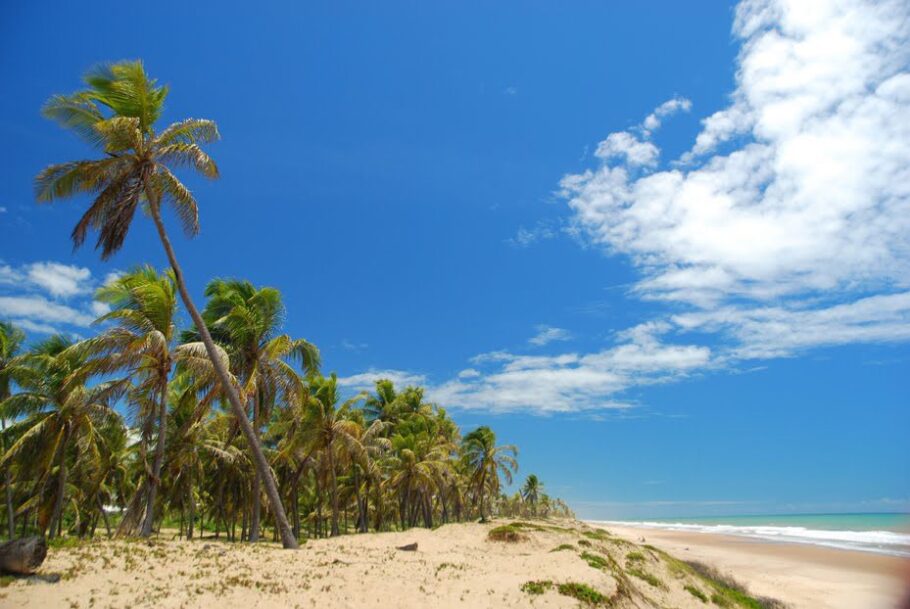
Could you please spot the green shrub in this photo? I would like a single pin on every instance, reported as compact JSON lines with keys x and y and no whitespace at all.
{"x":633,"y":556}
{"x":585,"y":543}
{"x":593,"y":560}
{"x":582,"y":592}
{"x":507,"y":533}
{"x":537,"y":587}
{"x":563,"y":546}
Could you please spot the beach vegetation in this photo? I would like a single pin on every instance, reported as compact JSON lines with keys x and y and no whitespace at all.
{"x":696,"y":593}
{"x":582,"y":592}
{"x":537,"y":587}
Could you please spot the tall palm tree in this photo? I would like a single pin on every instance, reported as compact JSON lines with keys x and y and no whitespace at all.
{"x":245,"y":320}
{"x":486,"y":462}
{"x":136,"y":169}
{"x":531,"y":490}
{"x":57,"y":412}
{"x":333,"y":432}
{"x":141,"y":341}
{"x":11,"y":339}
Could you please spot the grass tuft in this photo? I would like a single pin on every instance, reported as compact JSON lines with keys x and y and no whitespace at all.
{"x":644,"y":575}
{"x":696,"y":593}
{"x":593,"y":560}
{"x":537,"y":587}
{"x":582,"y":592}
{"x":563,"y":546}
{"x":730,"y":593}
{"x":507,"y":533}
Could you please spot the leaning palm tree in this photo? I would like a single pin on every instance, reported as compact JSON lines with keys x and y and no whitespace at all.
{"x":486,"y":462}
{"x":11,"y":339}
{"x":116,"y":114}
{"x":530,"y":492}
{"x":245,"y":321}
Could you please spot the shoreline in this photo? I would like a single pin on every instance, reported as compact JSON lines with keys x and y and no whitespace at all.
{"x":806,"y":576}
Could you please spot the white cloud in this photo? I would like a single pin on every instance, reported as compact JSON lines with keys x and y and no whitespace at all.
{"x":571,"y":382}
{"x":815,"y":192}
{"x":39,"y":309}
{"x":2,"y":210}
{"x":366,"y":380}
{"x":786,"y":226}
{"x":548,"y":334}
{"x":61,"y":280}
{"x":47,"y":297}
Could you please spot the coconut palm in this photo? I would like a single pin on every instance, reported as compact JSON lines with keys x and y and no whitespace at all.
{"x":245,"y":321}
{"x":11,"y":339}
{"x":332,"y":432}
{"x":530,"y":492}
{"x":143,"y":309}
{"x":486,"y":462}
{"x":116,"y":114}
{"x":54,"y":412}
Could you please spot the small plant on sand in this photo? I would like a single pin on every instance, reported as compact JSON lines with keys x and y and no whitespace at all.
{"x":582,"y":592}
{"x":644,"y":575}
{"x":635,"y":556}
{"x":585,"y":543}
{"x":598,"y":535}
{"x":696,"y":593}
{"x":508,"y":532}
{"x":730,"y":593}
{"x":563,"y":546}
{"x":537,"y":587}
{"x":593,"y":560}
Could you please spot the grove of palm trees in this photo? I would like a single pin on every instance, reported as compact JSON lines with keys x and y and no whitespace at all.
{"x":223,"y":427}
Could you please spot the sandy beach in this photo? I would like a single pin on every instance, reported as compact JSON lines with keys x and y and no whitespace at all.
{"x":804,"y":576}
{"x":456,"y":565}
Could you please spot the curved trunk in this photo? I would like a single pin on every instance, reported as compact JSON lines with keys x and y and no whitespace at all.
{"x":262,"y":466}
{"x":154,"y":479}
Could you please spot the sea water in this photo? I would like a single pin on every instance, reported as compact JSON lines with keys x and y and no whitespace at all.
{"x":878,"y":533}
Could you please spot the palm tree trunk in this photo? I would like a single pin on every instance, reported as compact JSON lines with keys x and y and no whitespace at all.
{"x":334,"y":482}
{"x":262,"y":466}
{"x":8,"y":485}
{"x":154,"y":480}
{"x":192,"y":502}
{"x":107,"y":522}
{"x":257,"y":483}
{"x":61,"y":493}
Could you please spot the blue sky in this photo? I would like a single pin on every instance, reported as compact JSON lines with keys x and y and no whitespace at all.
{"x":658,"y":245}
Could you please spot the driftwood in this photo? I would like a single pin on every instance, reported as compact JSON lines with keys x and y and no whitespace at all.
{"x":411,"y":547}
{"x":22,"y":556}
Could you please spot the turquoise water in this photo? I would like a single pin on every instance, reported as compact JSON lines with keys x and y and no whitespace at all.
{"x":878,"y":533}
{"x":899,"y":523}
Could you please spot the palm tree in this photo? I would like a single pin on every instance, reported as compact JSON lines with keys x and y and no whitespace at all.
{"x":11,"y":339}
{"x":486,"y":462}
{"x":245,"y":321}
{"x":135,"y":169}
{"x":57,"y":412}
{"x":332,"y":432}
{"x":531,"y":490}
{"x":143,"y":307}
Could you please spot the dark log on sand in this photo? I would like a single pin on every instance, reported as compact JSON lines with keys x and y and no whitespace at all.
{"x":22,"y":556}
{"x":411,"y":547}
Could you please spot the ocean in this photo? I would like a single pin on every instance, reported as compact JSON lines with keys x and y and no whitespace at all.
{"x":878,"y":533}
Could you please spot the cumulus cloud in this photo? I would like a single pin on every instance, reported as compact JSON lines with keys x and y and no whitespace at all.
{"x":785,"y":227}
{"x":47,"y":297}
{"x":811,"y":191}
